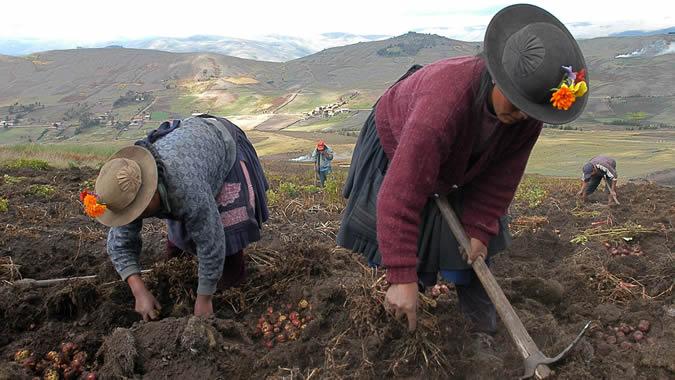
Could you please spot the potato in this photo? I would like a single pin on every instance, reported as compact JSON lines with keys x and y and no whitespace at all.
{"x":21,"y":355}
{"x":626,"y":345}
{"x":644,"y":325}
{"x":53,"y":357}
{"x":51,"y":374}
{"x":80,"y":356}
{"x":68,"y":348}
{"x":638,"y":335}
{"x":76,"y":364}
{"x":611,"y":339}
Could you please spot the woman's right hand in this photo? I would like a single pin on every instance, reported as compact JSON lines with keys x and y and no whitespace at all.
{"x":401,"y":299}
{"x":146,"y":304}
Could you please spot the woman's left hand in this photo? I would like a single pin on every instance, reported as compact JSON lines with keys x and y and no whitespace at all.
{"x":478,"y":249}
{"x":203,"y":305}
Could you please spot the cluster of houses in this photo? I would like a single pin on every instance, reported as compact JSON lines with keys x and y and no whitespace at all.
{"x":139,"y":119}
{"x":108,"y":119}
{"x":327,"y":111}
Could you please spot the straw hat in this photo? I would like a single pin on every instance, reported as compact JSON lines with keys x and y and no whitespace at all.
{"x":126,"y":184}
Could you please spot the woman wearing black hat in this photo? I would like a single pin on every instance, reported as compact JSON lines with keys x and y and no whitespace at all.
{"x":463,"y":128}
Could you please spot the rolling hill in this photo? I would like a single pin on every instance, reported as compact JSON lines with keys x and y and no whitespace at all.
{"x":629,"y":75}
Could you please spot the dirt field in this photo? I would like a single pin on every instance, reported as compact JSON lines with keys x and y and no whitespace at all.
{"x":617,"y":272}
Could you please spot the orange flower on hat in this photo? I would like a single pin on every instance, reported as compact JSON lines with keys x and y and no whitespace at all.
{"x":563,"y":98}
{"x":91,"y":205}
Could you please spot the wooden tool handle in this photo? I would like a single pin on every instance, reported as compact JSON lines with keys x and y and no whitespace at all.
{"x":42,"y":283}
{"x":515,"y":327}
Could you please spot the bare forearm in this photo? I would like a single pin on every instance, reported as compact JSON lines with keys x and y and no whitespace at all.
{"x":136,"y":284}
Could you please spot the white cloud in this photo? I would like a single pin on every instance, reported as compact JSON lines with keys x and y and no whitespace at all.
{"x":81,"y":22}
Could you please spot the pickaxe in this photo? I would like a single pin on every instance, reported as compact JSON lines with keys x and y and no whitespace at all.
{"x":535,"y":361}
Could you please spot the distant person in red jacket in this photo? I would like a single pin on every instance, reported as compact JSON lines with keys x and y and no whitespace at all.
{"x":461,"y":128}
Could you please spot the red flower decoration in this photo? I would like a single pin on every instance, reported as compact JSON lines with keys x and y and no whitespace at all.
{"x":83,"y":194}
{"x":581,"y":76}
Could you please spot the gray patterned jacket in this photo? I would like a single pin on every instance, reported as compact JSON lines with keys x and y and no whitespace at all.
{"x":197,"y":157}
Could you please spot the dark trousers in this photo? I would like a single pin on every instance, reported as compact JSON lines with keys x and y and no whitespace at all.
{"x":323,"y":174}
{"x":474,"y":302}
{"x":594,"y":182}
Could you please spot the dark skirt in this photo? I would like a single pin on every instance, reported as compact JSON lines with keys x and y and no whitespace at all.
{"x":438,"y":249}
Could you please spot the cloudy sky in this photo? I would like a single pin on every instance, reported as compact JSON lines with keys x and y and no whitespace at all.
{"x":87,"y":21}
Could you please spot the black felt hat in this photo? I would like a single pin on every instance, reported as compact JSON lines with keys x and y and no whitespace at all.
{"x":525,"y":49}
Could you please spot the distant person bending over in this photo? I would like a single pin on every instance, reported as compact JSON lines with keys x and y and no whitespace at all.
{"x":461,"y":128}
{"x":201,"y":175}
{"x":594,"y":171}
{"x":322,"y":156}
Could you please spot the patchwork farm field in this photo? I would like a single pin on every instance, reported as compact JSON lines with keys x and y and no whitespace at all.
{"x":569,"y":263}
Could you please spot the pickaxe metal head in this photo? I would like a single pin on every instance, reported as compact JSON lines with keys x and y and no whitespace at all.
{"x":537,"y":358}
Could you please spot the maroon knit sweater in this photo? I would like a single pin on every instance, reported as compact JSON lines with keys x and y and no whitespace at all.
{"x":428,"y":125}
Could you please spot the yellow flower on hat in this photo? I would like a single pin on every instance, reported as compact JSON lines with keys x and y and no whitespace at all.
{"x":579,"y":88}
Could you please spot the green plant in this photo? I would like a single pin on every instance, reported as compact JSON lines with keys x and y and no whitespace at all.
{"x":530,"y":193}
{"x":29,"y":163}
{"x":4,"y":204}
{"x":88,"y":184}
{"x":11,"y":180}
{"x":289,"y":189}
{"x":332,"y":189}
{"x":273,"y":197}
{"x":629,"y":231}
{"x":45,"y":191}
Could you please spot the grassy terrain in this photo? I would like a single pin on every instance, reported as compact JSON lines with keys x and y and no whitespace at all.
{"x":20,"y":135}
{"x":562,"y":153}
{"x":306,"y":102}
{"x":60,"y":155}
{"x":557,"y":153}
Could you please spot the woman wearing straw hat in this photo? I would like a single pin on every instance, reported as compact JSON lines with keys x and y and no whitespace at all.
{"x":462,"y":128}
{"x":203,"y":176}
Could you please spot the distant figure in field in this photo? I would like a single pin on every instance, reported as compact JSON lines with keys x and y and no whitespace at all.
{"x":200,"y":174}
{"x":594,"y":171}
{"x":322,"y":156}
